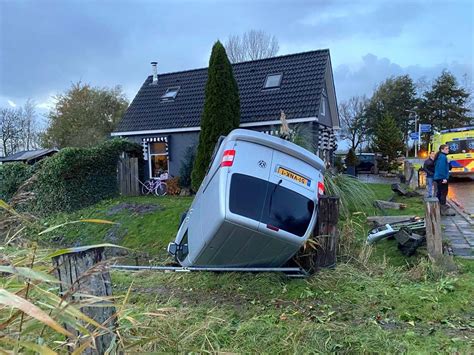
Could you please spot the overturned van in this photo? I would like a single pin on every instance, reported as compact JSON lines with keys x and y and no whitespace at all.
{"x":256,"y":206}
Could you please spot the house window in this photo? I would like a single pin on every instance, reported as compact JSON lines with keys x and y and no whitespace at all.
{"x":273,"y":81}
{"x":158,"y":162}
{"x":323,"y":106}
{"x":170,"y":93}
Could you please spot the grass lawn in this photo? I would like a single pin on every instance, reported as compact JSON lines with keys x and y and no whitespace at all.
{"x":375,"y":300}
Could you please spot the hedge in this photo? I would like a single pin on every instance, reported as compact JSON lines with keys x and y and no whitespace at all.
{"x":12,"y":175}
{"x":78,"y":177}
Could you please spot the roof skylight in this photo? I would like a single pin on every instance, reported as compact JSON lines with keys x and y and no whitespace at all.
{"x":170,"y":93}
{"x":273,"y":81}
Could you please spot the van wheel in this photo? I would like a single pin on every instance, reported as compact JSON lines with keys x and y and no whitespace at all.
{"x":183,"y":216}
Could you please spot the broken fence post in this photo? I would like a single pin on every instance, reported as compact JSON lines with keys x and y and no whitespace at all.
{"x":320,"y":249}
{"x":433,"y":228}
{"x":85,"y":273}
{"x":326,"y":232}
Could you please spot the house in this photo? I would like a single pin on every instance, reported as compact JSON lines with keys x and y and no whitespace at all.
{"x":29,"y":156}
{"x":165,"y":115}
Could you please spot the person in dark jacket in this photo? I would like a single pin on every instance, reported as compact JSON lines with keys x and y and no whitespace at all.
{"x":429,"y":169}
{"x":441,"y":177}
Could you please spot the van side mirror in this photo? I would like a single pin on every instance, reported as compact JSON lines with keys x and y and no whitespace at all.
{"x":172,"y":248}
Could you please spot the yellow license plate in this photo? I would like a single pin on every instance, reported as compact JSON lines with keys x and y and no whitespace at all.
{"x":294,"y":176}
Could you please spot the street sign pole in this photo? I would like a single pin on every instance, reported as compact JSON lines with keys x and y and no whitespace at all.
{"x":419,"y":138}
{"x":416,"y":150}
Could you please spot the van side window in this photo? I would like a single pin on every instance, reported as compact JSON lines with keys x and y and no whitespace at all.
{"x":270,"y":204}
{"x":183,"y":249}
{"x":243,"y":189}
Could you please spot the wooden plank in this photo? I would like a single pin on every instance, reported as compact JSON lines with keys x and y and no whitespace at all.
{"x":127,"y":176}
{"x":83,"y":273}
{"x":433,"y":229}
{"x":135,"y":189}
{"x":382,"y":220}
{"x":391,"y":205}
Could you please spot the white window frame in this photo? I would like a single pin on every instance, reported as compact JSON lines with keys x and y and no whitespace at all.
{"x":170,"y":89}
{"x":323,"y":106}
{"x":265,"y":87}
{"x":150,"y":173}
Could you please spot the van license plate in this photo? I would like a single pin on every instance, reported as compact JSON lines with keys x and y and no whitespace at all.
{"x":294,"y":176}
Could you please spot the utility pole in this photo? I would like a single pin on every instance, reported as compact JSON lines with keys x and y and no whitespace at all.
{"x":416,"y":143}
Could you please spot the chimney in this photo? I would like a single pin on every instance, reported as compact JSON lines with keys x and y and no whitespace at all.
{"x":155,"y":73}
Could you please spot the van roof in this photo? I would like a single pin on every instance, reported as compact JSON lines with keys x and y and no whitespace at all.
{"x":277,"y":144}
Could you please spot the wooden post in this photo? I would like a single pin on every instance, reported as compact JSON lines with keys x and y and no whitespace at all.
{"x":433,"y":229}
{"x":320,"y":250}
{"x":327,"y":232}
{"x":84,"y":273}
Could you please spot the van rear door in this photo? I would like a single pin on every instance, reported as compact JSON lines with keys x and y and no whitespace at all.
{"x":247,"y":183}
{"x":291,"y":196}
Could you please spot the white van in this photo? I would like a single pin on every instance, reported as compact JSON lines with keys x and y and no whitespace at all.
{"x":256,"y":206}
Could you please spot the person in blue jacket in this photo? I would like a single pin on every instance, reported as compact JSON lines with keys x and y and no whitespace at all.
{"x":441,"y":177}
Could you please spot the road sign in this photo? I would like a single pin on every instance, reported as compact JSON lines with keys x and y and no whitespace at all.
{"x":414,"y":136}
{"x":425,"y":127}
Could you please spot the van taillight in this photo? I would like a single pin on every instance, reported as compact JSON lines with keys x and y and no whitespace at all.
{"x":320,"y":188}
{"x":228,"y":157}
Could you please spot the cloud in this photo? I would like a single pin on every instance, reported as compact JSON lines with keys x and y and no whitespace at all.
{"x":363,"y":77}
{"x":11,"y":103}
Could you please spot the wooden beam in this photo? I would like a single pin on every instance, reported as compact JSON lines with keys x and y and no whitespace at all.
{"x":433,"y":229}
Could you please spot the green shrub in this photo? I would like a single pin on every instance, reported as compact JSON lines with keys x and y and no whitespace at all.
{"x":12,"y":175}
{"x":351,"y":158}
{"x":78,"y":177}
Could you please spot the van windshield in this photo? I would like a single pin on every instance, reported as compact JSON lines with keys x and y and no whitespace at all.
{"x":270,"y":203}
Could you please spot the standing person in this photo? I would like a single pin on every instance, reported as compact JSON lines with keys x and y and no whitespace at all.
{"x":441,"y":176}
{"x":429,"y":169}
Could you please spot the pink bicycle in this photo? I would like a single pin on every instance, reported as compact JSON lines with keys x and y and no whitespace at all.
{"x":154,"y":186}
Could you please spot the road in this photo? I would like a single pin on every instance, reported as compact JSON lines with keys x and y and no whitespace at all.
{"x":462,"y":190}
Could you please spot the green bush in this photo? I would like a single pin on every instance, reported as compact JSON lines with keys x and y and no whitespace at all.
{"x":78,"y":177}
{"x":12,"y":175}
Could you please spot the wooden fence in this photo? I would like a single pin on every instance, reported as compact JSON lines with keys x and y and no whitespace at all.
{"x":128,"y":176}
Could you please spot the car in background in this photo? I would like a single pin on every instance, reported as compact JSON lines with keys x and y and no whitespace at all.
{"x":367,"y":162}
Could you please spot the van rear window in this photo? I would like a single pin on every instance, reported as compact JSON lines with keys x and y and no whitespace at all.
{"x":270,"y":203}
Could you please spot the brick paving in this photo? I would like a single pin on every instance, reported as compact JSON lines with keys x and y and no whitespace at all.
{"x":459,"y":231}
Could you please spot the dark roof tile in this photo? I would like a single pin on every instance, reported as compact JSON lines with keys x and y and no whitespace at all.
{"x":298,"y":95}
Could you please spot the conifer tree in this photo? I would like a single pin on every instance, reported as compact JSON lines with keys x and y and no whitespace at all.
{"x":445,"y":105}
{"x":221,"y":112}
{"x":388,"y":140}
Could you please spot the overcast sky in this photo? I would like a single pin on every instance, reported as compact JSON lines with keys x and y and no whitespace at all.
{"x":47,"y":45}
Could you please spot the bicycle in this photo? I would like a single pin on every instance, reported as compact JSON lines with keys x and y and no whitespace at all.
{"x":156,"y":186}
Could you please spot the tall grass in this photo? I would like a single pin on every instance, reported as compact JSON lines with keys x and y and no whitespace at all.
{"x":354,"y":195}
{"x":34,"y":317}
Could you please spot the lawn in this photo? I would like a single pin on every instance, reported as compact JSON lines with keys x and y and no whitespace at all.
{"x":375,"y":300}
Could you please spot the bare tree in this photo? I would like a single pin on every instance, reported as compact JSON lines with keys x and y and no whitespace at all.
{"x":251,"y":45}
{"x":9,"y":130}
{"x":354,"y":122}
{"x":18,"y":129}
{"x":29,"y":126}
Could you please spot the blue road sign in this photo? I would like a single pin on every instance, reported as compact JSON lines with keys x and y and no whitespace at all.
{"x":414,"y":136}
{"x":425,"y":127}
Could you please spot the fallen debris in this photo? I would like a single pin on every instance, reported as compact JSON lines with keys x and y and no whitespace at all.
{"x":391,"y":205}
{"x":408,"y":241}
{"x":382,"y":220}
{"x":388,"y":230}
{"x":400,"y":190}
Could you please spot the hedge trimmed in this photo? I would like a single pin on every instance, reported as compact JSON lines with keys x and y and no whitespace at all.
{"x":78,"y":177}
{"x":12,"y":175}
